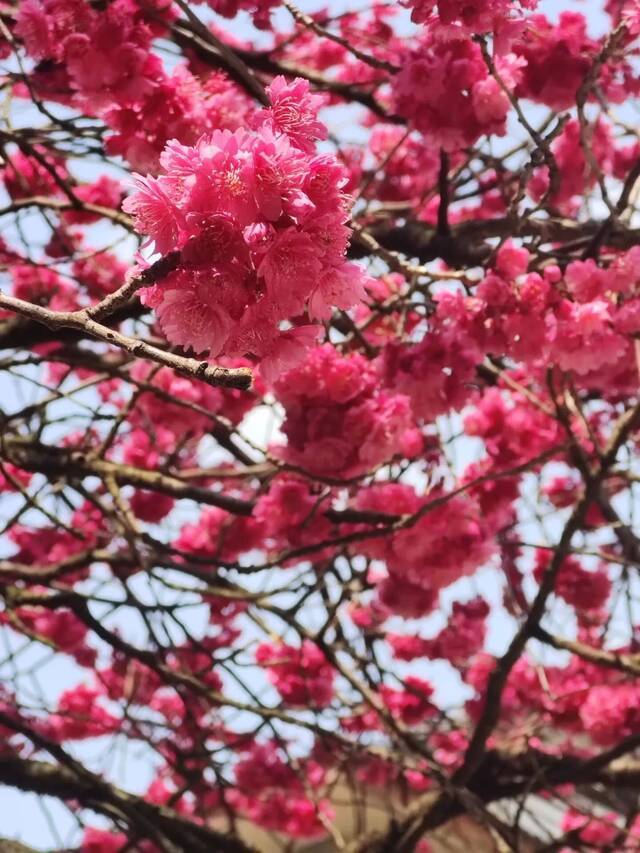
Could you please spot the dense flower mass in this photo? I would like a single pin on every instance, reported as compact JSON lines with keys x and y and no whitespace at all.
{"x":259,"y":220}
{"x":558,"y":56}
{"x":461,"y":101}
{"x":301,"y":676}
{"x":477,"y":16}
{"x":319,"y":425}
{"x":338,"y":422}
{"x":446,"y":543}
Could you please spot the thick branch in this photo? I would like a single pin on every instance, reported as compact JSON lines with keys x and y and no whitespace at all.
{"x":60,"y":462}
{"x":40,"y":777}
{"x":615,"y":660}
{"x":503,"y":776}
{"x":466,"y":245}
{"x":81,"y":321}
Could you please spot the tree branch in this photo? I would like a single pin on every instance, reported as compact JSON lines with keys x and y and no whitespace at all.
{"x":82,"y":321}
{"x":91,"y":792}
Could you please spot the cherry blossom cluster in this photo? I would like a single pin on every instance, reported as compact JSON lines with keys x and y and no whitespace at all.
{"x":338,"y":422}
{"x":462,"y":101}
{"x":445,"y":544}
{"x":259,"y":220}
{"x":473,"y":17}
{"x":142,"y":103}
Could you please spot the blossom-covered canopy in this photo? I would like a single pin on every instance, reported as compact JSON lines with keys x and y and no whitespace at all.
{"x":319,"y":422}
